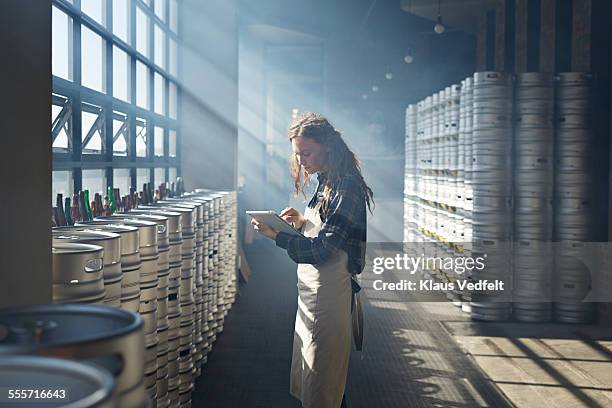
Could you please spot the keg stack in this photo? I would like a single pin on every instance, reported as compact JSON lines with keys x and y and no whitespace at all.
{"x":111,"y":337}
{"x":573,"y":215}
{"x":533,"y":196}
{"x":464,"y":189}
{"x":410,"y":175}
{"x":492,"y":187}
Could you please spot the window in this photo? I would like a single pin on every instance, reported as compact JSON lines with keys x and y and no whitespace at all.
{"x":116,"y":116}
{"x":172,"y":143}
{"x":159,"y":142}
{"x":159,"y":176}
{"x":62,"y":184}
{"x":142,"y":32}
{"x":122,"y":180}
{"x":94,"y":181}
{"x":142,"y":176}
{"x":92,"y":131}
{"x":121,"y":74}
{"x":160,"y":47}
{"x":121,"y":25}
{"x":159,"y":94}
{"x":92,"y":60}
{"x":141,"y":137}
{"x":172,"y":174}
{"x":61,"y":45}
{"x":120,"y":134}
{"x":96,"y":9}
{"x":160,"y":9}
{"x":142,"y":85}
{"x":172,"y":100}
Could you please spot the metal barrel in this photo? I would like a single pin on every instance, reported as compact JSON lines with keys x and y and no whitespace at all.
{"x":112,"y":257}
{"x":112,"y":338}
{"x":77,"y":272}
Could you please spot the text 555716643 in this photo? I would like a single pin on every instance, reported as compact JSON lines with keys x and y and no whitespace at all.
{"x":16,"y":394}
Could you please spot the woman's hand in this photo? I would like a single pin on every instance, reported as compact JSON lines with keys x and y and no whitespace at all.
{"x":264,"y":229}
{"x":292,"y":216}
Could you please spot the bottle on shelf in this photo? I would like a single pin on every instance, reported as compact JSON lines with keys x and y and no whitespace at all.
{"x":117,"y":198}
{"x":87,"y":206}
{"x":59,"y":202}
{"x":68,"y":211}
{"x":99,"y":205}
{"x":75,"y":212}
{"x":111,"y":200}
{"x":106,"y":208}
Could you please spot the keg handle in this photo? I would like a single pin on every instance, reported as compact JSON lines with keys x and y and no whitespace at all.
{"x":94,"y":265}
{"x":161,"y":229}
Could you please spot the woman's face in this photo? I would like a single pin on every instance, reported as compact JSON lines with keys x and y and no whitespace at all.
{"x":312,"y":156}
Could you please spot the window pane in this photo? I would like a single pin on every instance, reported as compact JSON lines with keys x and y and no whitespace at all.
{"x":160,"y":46}
{"x":92,"y":60}
{"x":120,"y":135}
{"x":160,"y":176}
{"x":172,"y":174}
{"x":61,"y":127}
{"x":61,"y":184}
{"x":173,"y":58}
{"x":92,"y":129}
{"x":121,"y":180}
{"x":159,"y":141}
{"x":94,"y":181}
{"x":172,"y":143}
{"x":142,"y":32}
{"x":159,"y":94}
{"x":172,"y":100}
{"x":61,"y":47}
{"x":160,"y":9}
{"x":121,"y":74}
{"x":142,"y":176}
{"x":141,"y":138}
{"x":121,"y":21}
{"x":174,"y":15}
{"x":95,"y":9}
{"x":142,"y":85}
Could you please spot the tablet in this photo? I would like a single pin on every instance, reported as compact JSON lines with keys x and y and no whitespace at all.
{"x":274,"y":221}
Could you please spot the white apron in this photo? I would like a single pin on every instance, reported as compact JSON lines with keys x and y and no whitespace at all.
{"x":322,"y":339}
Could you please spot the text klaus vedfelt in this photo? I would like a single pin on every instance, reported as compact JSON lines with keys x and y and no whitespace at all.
{"x":457,"y":265}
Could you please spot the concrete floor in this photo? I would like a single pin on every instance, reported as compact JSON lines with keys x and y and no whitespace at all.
{"x":415,"y":354}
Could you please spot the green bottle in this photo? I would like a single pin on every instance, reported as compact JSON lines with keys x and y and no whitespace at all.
{"x":111,"y":199}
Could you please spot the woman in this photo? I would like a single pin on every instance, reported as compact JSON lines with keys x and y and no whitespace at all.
{"x":330,"y":253}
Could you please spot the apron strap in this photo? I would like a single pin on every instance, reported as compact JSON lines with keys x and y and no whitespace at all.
{"x":356,"y":314}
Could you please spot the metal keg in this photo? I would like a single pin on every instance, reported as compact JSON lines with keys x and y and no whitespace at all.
{"x":59,"y":383}
{"x":112,"y":338}
{"x":77,"y":272}
{"x":112,"y":257}
{"x":130,"y":260}
{"x":149,"y":253}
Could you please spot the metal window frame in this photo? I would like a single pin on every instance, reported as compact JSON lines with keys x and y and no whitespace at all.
{"x":78,"y":95}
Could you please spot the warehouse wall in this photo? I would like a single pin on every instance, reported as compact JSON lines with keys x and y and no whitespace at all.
{"x":25,"y":38}
{"x":208,"y":68}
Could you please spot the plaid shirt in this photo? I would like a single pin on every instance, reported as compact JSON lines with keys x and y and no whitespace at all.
{"x":343,"y":228}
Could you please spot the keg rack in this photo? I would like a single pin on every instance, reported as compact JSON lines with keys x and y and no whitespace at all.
{"x":174,"y":263}
{"x":503,"y":165}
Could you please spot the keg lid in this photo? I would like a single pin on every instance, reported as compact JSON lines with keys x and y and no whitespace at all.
{"x":129,"y":235}
{"x":108,"y":240}
{"x":78,"y":385}
{"x":62,"y":247}
{"x":174,"y":218}
{"x":161,"y":221}
{"x":41,"y":327}
{"x":147,"y":230}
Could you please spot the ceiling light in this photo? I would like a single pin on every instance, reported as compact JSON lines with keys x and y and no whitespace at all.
{"x":408,"y":58}
{"x":374,"y":88}
{"x":439,"y":27}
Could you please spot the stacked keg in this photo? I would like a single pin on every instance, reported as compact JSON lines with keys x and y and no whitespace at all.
{"x":110,"y":337}
{"x":95,"y":386}
{"x":533,"y":183}
{"x":573,"y":216}
{"x":492,"y":186}
{"x":111,"y":259}
{"x":464,"y":190}
{"x":410,"y":175}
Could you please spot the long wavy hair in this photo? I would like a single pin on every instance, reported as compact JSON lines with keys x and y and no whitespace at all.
{"x":340,"y":162}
